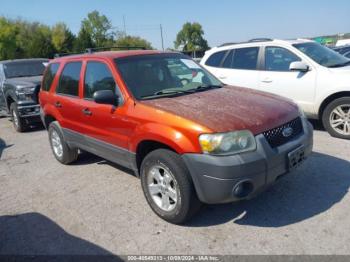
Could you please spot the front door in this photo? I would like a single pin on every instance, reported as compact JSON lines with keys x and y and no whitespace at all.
{"x":2,"y":96}
{"x":105,"y":126}
{"x":278,"y":79}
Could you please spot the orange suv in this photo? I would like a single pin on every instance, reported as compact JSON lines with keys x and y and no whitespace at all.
{"x":188,"y":137}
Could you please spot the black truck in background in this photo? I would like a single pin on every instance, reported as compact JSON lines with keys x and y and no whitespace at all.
{"x":20,"y":82}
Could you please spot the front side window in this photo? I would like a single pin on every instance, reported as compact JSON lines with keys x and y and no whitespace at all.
{"x":49,"y":76}
{"x":215,"y":59}
{"x":242,"y":58}
{"x":69,"y":80}
{"x":279,"y":59}
{"x":24,"y":68}
{"x":322,"y":55}
{"x":97,"y":77}
{"x":151,"y":76}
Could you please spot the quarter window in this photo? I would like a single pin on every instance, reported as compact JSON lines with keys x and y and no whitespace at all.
{"x":279,"y":59}
{"x":69,"y":80}
{"x":97,"y":77}
{"x":242,"y":58}
{"x":49,"y":76}
{"x":215,"y":59}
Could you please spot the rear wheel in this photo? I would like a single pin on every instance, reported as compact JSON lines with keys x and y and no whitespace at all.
{"x":62,"y":152}
{"x":168,"y":187}
{"x":18,"y":122}
{"x":336,"y":118}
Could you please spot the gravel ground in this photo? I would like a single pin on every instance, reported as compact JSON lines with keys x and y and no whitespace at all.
{"x":95,"y":207}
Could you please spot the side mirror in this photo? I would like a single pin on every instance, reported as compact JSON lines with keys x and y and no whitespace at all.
{"x":299,"y":66}
{"x":107,"y":97}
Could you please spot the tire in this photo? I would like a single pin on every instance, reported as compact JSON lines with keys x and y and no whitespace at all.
{"x":170,"y":180}
{"x":19,"y":123}
{"x":336,"y":118}
{"x":60,"y":149}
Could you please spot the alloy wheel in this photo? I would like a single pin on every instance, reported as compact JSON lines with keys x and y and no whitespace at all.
{"x":56,"y":144}
{"x":162,"y":187}
{"x":340,"y":119}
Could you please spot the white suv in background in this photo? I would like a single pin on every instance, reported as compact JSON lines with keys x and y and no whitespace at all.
{"x":314,"y":76}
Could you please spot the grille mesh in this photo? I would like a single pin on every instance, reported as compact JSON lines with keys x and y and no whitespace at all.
{"x":275,"y":136}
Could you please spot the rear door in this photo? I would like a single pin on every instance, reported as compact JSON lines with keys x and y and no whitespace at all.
{"x":240,"y":68}
{"x":66,"y":98}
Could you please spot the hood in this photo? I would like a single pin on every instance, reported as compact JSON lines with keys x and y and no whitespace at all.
{"x":230,"y":108}
{"x":25,"y":81}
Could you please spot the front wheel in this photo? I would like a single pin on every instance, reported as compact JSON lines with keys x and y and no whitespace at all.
{"x":168,"y":187}
{"x":18,"y":122}
{"x":336,"y":118}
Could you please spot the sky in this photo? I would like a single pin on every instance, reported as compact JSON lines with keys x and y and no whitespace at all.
{"x":222,"y":20}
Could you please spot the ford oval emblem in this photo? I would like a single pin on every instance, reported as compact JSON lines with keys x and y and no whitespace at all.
{"x":287,"y":132}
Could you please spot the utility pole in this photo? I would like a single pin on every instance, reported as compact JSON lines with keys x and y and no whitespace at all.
{"x":161,"y":36}
{"x":124,"y":25}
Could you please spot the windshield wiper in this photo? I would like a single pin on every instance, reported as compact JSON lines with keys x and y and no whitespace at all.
{"x":340,"y":65}
{"x":164,"y":92}
{"x":204,"y":87}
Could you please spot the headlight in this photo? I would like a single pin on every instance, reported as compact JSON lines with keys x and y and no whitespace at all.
{"x":227,"y":143}
{"x":25,"y":92}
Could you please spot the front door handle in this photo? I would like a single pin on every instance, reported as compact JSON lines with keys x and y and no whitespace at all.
{"x":222,"y":77}
{"x":58,"y":104}
{"x":267,"y":80}
{"x":87,"y":112}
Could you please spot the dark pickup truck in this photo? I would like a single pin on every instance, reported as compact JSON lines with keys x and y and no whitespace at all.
{"x":20,"y":82}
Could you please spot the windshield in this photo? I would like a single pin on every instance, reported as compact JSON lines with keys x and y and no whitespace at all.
{"x":25,"y":68}
{"x":152,"y":76}
{"x":322,"y":55}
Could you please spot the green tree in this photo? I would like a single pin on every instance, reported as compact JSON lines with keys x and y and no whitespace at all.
{"x":133,"y":41}
{"x":62,"y":38}
{"x":83,"y":41}
{"x":8,"y":35}
{"x":34,"y":40}
{"x":98,"y":27}
{"x":190,"y":38}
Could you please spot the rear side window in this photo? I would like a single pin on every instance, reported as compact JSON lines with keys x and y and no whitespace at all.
{"x":50,"y":76}
{"x":242,"y":58}
{"x":69,"y":80}
{"x":279,"y":59}
{"x":97,"y":77}
{"x":215,"y":59}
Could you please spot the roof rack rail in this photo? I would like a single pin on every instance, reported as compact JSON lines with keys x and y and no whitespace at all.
{"x":260,"y":40}
{"x":226,"y":44}
{"x":91,"y":50}
{"x":94,"y":49}
{"x":249,"y":41}
{"x":57,"y":55}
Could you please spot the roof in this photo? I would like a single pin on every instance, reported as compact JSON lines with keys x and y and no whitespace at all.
{"x":254,"y":42}
{"x":113,"y":54}
{"x":23,"y":60}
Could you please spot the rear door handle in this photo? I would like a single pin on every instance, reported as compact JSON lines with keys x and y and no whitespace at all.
{"x":267,"y":80}
{"x":87,"y":112}
{"x":58,"y":104}
{"x":222,"y":77}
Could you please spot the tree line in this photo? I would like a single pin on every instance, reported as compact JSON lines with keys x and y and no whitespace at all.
{"x":23,"y":39}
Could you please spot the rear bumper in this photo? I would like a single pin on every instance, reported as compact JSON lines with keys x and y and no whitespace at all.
{"x":216,"y":177}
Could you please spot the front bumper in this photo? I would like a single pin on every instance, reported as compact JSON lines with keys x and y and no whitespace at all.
{"x":28,"y":109}
{"x":216,"y":177}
